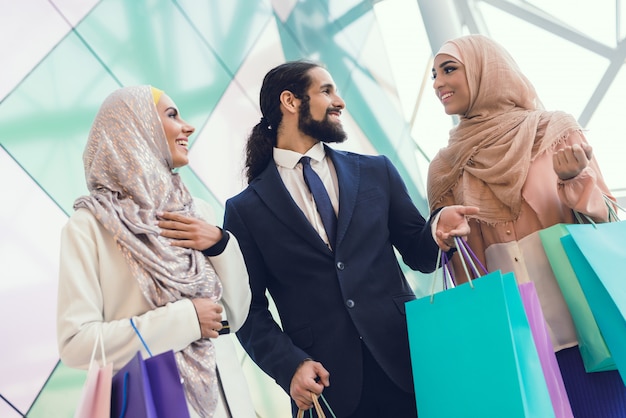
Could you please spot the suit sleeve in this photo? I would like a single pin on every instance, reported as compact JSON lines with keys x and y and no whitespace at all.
{"x":261,"y":336}
{"x":231,"y":269}
{"x":236,"y":295}
{"x":410,"y":233}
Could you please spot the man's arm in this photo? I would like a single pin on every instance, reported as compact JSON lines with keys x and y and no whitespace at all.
{"x":262,"y":338}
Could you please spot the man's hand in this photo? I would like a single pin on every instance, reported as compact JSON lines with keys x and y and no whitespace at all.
{"x":310,"y":377}
{"x":188,"y":232}
{"x":571,"y":160}
{"x":453,"y":223}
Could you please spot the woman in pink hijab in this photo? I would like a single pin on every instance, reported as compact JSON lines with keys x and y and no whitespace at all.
{"x":526,"y":169}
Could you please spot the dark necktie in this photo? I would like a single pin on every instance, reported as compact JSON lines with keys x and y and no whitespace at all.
{"x":322,"y":201}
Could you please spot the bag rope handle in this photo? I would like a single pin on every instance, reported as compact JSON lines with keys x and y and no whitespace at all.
{"x":99,"y":339}
{"x":125,"y":384}
{"x":140,"y":337}
{"x":125,"y":396}
{"x":317,"y":407}
{"x":462,"y":257}
{"x":447,"y":274}
{"x":432,"y":287}
{"x":610,"y":205}
{"x":471,"y":257}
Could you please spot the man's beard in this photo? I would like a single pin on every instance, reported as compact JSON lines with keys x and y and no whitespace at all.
{"x":324,"y":130}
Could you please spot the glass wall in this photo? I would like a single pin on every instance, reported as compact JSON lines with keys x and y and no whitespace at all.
{"x":61,"y":58}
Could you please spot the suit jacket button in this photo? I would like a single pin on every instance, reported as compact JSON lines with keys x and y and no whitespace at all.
{"x":350,"y":303}
{"x":340,"y":265}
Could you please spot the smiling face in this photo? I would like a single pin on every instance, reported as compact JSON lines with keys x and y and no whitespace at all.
{"x":177,"y":131}
{"x":450,"y":84}
{"x":320,"y":109}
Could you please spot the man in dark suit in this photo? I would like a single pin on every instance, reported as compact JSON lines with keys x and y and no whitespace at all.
{"x":339,"y":289}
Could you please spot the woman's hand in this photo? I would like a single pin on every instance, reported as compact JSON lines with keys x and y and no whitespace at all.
{"x":209,"y":316}
{"x":569,"y":161}
{"x":188,"y":232}
{"x":453,"y":223}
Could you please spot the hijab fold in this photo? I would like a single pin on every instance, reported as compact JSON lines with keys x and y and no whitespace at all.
{"x":504,"y":129}
{"x":128,"y":168}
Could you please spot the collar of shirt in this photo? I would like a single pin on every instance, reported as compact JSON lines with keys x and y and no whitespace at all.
{"x":291,"y":174}
{"x":289,"y":159}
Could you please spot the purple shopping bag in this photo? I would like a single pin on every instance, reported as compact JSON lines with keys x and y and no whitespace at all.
{"x":131,"y":396}
{"x":549,"y":364}
{"x":150,"y":388}
{"x":167,"y":386}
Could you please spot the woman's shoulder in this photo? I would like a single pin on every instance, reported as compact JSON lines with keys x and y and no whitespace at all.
{"x":83,"y":223}
{"x":82,"y":216}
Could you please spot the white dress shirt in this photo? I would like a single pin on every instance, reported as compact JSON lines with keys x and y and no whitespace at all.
{"x":290,"y":170}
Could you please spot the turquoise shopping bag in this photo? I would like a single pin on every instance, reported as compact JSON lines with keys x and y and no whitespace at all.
{"x":473,"y":354}
{"x":593,"y":349}
{"x":598,"y":256}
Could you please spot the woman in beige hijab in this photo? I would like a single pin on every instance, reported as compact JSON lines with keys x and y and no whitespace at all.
{"x":526,"y":169}
{"x":117,"y":263}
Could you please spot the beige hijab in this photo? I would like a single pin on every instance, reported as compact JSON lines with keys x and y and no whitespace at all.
{"x":128,"y":168}
{"x":505,"y":128}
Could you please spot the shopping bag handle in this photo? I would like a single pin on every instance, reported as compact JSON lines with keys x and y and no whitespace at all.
{"x":610,"y":204}
{"x":471,"y":257}
{"x":441,"y":261}
{"x":124,"y":396}
{"x":467,"y":256}
{"x":99,"y":339}
{"x":447,"y":273}
{"x":132,"y":323}
{"x":125,"y":381}
{"x":318,"y":407}
{"x":444,"y":262}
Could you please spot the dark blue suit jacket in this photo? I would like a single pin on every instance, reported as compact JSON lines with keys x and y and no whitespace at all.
{"x":328,"y":301}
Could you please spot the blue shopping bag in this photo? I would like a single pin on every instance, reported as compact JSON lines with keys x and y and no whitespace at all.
{"x":598,"y":256}
{"x":593,"y":349}
{"x":473,"y":353}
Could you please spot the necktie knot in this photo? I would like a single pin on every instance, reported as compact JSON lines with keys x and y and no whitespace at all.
{"x":322,"y":200}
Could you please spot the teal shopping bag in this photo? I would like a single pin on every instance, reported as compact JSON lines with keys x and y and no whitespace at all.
{"x":473,"y":353}
{"x":598,"y":256}
{"x":593,"y":350}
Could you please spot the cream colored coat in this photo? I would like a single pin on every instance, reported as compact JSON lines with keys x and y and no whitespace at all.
{"x":97,"y":293}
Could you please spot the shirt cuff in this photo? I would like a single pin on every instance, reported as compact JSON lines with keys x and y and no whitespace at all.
{"x":433,"y":224}
{"x":434,"y":220}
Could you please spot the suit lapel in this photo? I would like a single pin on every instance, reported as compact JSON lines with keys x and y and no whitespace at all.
{"x":272,"y":191}
{"x":348,"y":177}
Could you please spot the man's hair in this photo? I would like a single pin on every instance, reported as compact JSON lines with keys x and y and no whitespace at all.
{"x":292,"y":76}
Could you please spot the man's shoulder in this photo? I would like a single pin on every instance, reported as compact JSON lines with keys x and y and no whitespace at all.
{"x":361,"y":158}
{"x":244,"y":195}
